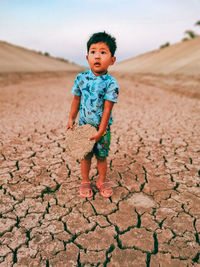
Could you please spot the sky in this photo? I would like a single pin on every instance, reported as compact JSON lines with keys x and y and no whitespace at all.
{"x":62,"y":27}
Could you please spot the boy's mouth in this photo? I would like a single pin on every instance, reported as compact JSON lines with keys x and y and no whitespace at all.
{"x":97,"y":64}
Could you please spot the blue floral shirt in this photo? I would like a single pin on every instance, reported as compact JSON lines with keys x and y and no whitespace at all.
{"x":94,"y":90}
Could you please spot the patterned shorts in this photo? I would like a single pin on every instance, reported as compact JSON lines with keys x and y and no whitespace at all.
{"x":102,"y":147}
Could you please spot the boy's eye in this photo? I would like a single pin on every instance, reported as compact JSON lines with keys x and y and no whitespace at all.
{"x":92,"y":52}
{"x":103,"y":52}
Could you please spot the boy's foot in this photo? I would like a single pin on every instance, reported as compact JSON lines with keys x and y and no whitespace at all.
{"x":105,"y":189}
{"x":85,"y":190}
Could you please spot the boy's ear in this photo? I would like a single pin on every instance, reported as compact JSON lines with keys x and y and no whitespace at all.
{"x":87,"y":57}
{"x":113,"y":59}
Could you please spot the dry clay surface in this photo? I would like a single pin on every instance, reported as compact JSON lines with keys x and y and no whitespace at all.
{"x":153,"y":218}
{"x":77,"y":143}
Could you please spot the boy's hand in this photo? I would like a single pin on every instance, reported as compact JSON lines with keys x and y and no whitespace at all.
{"x":96,"y":137}
{"x":69,"y":125}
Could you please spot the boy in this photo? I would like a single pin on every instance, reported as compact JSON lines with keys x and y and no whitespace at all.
{"x":95,"y":93}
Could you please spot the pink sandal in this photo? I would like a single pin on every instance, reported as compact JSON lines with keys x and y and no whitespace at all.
{"x":85,"y":190}
{"x":104,"y":187}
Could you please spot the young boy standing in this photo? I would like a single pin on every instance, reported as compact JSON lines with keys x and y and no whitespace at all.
{"x":95,"y":93}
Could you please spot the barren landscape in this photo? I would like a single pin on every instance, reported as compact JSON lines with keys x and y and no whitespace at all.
{"x":153,"y":218}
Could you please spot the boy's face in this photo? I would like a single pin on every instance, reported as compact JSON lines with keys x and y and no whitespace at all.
{"x":100,"y":58}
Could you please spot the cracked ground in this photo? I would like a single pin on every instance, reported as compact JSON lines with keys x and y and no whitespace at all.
{"x":153,"y":218}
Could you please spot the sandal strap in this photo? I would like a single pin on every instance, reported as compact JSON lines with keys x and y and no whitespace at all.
{"x":85,"y":186}
{"x":105,"y":186}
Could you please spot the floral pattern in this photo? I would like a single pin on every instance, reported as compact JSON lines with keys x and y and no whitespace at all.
{"x":94,"y":90}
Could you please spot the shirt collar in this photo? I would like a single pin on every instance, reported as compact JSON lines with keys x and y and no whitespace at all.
{"x":104,"y":77}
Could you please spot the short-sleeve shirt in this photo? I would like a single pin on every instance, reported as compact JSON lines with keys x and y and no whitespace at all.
{"x":94,"y":90}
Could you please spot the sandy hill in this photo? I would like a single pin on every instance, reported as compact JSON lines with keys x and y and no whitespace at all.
{"x":17,"y":59}
{"x":180,"y":58}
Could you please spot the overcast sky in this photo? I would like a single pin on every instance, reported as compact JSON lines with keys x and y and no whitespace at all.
{"x":62,"y":27}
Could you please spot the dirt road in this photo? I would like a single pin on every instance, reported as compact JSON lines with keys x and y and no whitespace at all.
{"x":153,"y":218}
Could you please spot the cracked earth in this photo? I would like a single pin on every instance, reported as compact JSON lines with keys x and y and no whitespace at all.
{"x":153,"y":218}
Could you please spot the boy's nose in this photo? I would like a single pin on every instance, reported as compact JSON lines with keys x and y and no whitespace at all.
{"x":97,"y":55}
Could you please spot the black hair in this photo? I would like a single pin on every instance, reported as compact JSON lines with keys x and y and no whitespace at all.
{"x":103,"y":37}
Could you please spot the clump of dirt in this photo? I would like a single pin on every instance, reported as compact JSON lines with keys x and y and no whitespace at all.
{"x":78,"y":144}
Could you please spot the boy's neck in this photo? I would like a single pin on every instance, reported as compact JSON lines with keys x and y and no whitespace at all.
{"x":99,"y":74}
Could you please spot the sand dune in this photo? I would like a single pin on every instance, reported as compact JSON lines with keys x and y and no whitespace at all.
{"x":17,"y":59}
{"x":180,"y":58}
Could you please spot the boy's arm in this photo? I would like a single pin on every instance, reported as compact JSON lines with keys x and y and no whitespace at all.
{"x":73,"y":111}
{"x":108,"y":105}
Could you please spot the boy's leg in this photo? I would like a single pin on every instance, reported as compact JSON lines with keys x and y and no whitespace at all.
{"x":102,"y":169}
{"x":85,"y":169}
{"x":85,"y":189}
{"x":101,"y":150}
